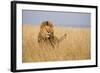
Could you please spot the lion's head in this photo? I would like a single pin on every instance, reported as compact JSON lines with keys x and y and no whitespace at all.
{"x":46,"y":33}
{"x":46,"y":30}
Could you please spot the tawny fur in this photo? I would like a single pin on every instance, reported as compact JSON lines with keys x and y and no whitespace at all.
{"x":46,"y":38}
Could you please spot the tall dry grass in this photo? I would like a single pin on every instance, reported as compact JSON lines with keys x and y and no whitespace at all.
{"x":76,"y":46}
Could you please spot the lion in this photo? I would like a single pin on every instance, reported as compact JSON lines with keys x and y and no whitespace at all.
{"x":46,"y":36}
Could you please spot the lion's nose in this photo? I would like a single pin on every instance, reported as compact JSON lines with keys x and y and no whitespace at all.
{"x":47,"y":34}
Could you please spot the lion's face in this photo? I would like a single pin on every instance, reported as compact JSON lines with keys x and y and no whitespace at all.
{"x":46,"y":30}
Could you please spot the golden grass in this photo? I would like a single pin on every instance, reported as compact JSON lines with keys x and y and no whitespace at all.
{"x":75,"y":47}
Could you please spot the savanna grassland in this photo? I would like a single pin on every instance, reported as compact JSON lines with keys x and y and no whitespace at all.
{"x":76,"y":46}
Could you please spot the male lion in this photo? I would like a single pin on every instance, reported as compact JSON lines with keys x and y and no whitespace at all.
{"x":46,"y":36}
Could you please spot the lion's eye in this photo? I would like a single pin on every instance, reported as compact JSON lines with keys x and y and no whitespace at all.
{"x":47,"y":33}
